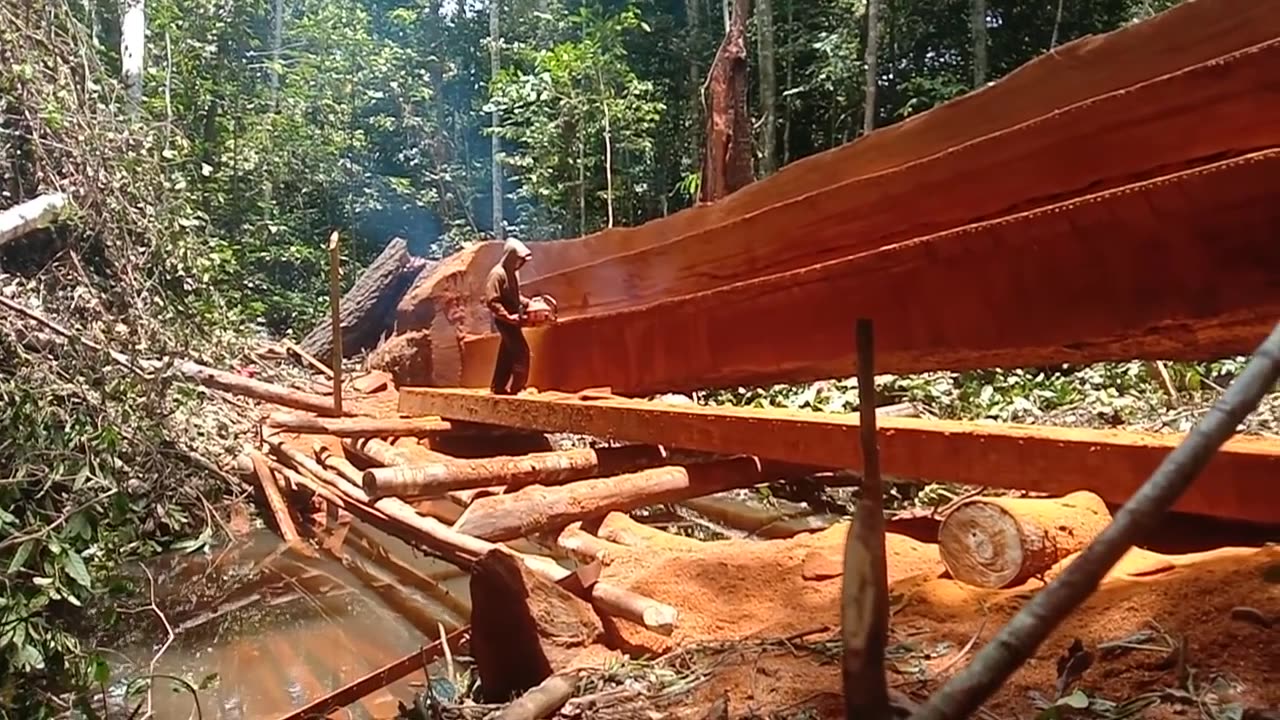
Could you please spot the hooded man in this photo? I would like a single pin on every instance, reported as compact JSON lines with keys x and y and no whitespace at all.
{"x":502,"y":297}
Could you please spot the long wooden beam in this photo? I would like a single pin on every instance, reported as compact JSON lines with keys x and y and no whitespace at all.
{"x":1240,"y":482}
{"x":1180,"y":267}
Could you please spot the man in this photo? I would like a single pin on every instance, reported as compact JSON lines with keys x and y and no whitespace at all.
{"x":502,"y":297}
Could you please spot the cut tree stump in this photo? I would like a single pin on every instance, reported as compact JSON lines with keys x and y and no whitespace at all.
{"x":998,"y":542}
{"x":368,"y":308}
{"x":524,"y":627}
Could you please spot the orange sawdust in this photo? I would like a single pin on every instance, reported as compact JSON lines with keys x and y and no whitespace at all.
{"x":752,"y":590}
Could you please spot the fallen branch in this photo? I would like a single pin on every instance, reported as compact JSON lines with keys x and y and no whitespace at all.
{"x":542,"y":700}
{"x":30,"y":215}
{"x":1024,"y":633}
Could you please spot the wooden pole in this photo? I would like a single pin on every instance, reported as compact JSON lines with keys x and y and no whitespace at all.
{"x":864,"y":598}
{"x":357,"y":427}
{"x":275,"y":498}
{"x":546,"y":468}
{"x":335,"y":302}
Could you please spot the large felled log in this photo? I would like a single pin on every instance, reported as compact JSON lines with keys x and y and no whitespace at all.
{"x":525,"y":628}
{"x":30,"y":215}
{"x":1042,"y":459}
{"x":551,"y":468}
{"x":1177,"y":267}
{"x":998,"y":542}
{"x":537,"y":509}
{"x":947,"y":137}
{"x":367,"y":308}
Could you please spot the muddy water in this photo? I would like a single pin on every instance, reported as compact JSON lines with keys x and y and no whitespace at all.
{"x":260,"y":630}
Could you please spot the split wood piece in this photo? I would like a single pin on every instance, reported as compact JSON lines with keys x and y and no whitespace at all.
{"x":308,"y":358}
{"x":357,"y":427}
{"x":259,"y":390}
{"x":525,"y":626}
{"x":447,"y":301}
{"x":1235,"y":484}
{"x":275,"y":499}
{"x":1099,"y":144}
{"x":398,"y":518}
{"x":378,"y":679}
{"x":29,"y":216}
{"x":542,"y":701}
{"x":1221,"y":216}
{"x":538,"y":509}
{"x":551,"y":468}
{"x":999,"y":542}
{"x":372,"y":382}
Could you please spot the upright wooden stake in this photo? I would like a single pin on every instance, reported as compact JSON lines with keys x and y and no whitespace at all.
{"x":864,"y":601}
{"x":335,"y":300}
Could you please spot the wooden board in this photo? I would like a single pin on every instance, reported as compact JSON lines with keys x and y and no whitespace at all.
{"x":1182,"y":267}
{"x":1239,"y":483}
{"x":937,"y":143}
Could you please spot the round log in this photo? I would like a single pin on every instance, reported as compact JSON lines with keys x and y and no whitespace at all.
{"x":998,"y":542}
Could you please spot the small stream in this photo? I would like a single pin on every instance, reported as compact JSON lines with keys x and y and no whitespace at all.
{"x":260,"y":629}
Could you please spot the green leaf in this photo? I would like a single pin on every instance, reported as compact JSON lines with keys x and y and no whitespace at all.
{"x":20,"y":556}
{"x":101,"y":671}
{"x":1077,"y":700}
{"x":74,"y":566}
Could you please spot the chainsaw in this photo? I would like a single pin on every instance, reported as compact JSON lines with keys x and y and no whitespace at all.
{"x":540,"y":311}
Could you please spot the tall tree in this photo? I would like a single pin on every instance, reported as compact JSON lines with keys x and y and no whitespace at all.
{"x":978,"y":29}
{"x":133,"y":39}
{"x":727,"y":154}
{"x":873,"y":41}
{"x":768,"y":87}
{"x":495,"y":67}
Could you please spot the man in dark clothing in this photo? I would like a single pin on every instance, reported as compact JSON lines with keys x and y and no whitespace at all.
{"x":502,"y":297}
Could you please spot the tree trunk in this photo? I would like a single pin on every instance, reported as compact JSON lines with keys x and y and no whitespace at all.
{"x":978,"y":27}
{"x":791,"y":63}
{"x":31,"y":215}
{"x":768,"y":87}
{"x":537,"y":509}
{"x":727,"y":154}
{"x":873,"y":42}
{"x":133,"y":38}
{"x":277,"y":39}
{"x":1001,"y":542}
{"x":608,"y":147}
{"x":368,"y":308}
{"x":495,"y":66}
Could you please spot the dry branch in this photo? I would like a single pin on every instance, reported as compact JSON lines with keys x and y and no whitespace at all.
{"x":542,"y":700}
{"x":1024,"y":633}
{"x":999,"y":542}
